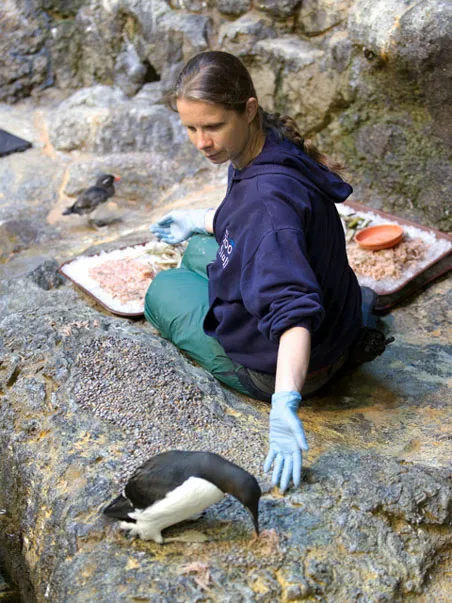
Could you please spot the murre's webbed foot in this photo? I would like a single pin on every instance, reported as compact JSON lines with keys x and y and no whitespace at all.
{"x":189,"y":536}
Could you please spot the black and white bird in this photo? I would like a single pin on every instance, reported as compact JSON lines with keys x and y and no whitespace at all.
{"x":173,"y":486}
{"x":93,"y":196}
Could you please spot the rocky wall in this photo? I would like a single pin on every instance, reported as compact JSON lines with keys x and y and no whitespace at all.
{"x":369,"y":81}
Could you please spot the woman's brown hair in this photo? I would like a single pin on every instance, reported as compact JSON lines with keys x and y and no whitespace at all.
{"x":221,"y":78}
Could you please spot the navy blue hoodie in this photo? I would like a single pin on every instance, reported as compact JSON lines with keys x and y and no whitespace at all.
{"x":282,"y":261}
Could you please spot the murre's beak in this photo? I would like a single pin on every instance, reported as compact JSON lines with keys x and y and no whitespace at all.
{"x":255,"y":519}
{"x":117,"y":178}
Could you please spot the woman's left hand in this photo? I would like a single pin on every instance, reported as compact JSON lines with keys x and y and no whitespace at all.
{"x":179,"y":225}
{"x":287,"y":440}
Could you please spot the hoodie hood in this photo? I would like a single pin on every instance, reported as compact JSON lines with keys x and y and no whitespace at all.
{"x":282,"y":156}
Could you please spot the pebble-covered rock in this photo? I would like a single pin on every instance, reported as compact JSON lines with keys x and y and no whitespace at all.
{"x":156,"y":406}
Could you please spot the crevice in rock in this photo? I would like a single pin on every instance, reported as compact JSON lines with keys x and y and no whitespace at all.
{"x":14,"y":376}
{"x":151,"y":74}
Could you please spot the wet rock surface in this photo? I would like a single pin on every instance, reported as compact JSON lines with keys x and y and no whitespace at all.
{"x":86,"y":397}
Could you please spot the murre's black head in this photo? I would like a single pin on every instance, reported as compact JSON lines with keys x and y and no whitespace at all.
{"x":106,"y":180}
{"x":245,"y":488}
{"x":233,"y":480}
{"x":120,"y":508}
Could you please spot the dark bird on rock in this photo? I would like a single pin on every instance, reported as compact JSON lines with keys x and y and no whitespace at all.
{"x":94,"y":196}
{"x":173,"y":486}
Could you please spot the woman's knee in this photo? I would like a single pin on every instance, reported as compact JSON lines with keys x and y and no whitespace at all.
{"x":201,"y":250}
{"x":173,"y":296}
{"x":157,"y":299}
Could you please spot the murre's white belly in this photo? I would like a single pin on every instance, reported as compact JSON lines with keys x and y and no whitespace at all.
{"x":191,"y":497}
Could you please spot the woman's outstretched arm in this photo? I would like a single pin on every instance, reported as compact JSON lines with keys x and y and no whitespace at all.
{"x":293,"y":359}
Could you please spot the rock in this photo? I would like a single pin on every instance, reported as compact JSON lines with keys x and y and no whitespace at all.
{"x":190,"y":5}
{"x":8,"y":594}
{"x":99,"y":32}
{"x":143,"y":176}
{"x":280,"y":9}
{"x":46,"y":275}
{"x":306,"y":90}
{"x":17,"y":234}
{"x":65,"y":45}
{"x":240,"y":36}
{"x":23,"y":182}
{"x":63,"y":8}
{"x":194,"y":27}
{"x":146,"y":14}
{"x":400,"y":26}
{"x":70,"y":125}
{"x":387,"y":154}
{"x":434,"y":193}
{"x":234,"y":7}
{"x":339,"y":57}
{"x":86,"y":396}
{"x":394,"y":31}
{"x":108,"y":392}
{"x":319,"y":16}
{"x":138,"y":127}
{"x":95,"y":97}
{"x":289,"y":51}
{"x":130,"y":72}
{"x":152,"y":93}
{"x":103,"y":121}
{"x":179,"y":36}
{"x":24,"y":59}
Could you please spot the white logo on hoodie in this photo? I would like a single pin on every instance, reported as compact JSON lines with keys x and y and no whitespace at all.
{"x":226,"y":249}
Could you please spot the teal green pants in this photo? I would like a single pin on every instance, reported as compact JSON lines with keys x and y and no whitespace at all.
{"x":176,"y":304}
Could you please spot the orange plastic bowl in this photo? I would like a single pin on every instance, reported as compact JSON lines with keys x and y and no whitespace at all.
{"x":383,"y":236}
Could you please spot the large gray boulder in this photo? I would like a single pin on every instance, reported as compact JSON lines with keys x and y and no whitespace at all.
{"x":103,"y":120}
{"x":86,"y":397}
{"x":144,"y":176}
{"x":413,"y":37}
{"x":24,"y":58}
{"x":281,"y":9}
{"x":233,"y":7}
{"x":240,"y":36}
{"x":130,"y":72}
{"x":319,"y":16}
{"x":291,"y":73}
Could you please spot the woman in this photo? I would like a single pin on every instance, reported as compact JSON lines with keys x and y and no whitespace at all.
{"x":279,"y":310}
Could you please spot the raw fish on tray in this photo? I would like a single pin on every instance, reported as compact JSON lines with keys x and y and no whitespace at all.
{"x":387,"y":270}
{"x":119,"y":279}
{"x":125,"y":280}
{"x":385,"y":263}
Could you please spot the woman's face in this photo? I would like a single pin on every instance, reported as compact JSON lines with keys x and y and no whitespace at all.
{"x":219,"y":134}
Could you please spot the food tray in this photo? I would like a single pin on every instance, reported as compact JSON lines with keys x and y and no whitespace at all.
{"x":148,"y":258}
{"x":389,"y":292}
{"x":438,"y":260}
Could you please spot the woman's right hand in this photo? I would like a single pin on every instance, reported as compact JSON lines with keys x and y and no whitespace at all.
{"x":287,"y":440}
{"x":179,"y":225}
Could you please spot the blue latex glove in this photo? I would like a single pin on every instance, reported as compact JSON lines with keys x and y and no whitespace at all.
{"x":287,"y":440}
{"x":179,"y":225}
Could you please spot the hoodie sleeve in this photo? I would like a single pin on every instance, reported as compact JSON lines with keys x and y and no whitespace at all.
{"x":279,"y":287}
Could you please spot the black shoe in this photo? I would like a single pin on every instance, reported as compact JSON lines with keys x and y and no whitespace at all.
{"x":369,"y":344}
